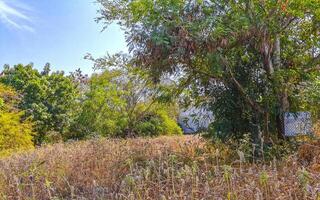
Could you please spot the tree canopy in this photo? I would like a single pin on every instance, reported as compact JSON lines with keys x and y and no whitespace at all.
{"x":248,"y":60}
{"x":48,"y":98}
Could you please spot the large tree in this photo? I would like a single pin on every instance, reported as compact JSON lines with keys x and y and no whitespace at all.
{"x":248,"y":58}
{"x":49,"y":99}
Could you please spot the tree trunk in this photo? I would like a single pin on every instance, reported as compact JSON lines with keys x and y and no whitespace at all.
{"x":283,"y":108}
{"x":277,"y":53}
{"x":283,"y":93}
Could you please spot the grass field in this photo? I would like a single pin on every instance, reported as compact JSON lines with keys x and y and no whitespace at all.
{"x":183,"y":167}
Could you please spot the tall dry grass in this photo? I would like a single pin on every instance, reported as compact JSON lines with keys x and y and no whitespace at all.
{"x":161,"y":168}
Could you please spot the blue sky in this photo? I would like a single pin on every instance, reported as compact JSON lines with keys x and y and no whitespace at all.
{"x":60,"y":32}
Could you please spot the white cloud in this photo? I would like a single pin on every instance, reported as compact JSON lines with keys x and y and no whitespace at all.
{"x":15,"y":14}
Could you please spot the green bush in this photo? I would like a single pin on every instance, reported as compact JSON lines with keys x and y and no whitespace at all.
{"x":157,"y":122}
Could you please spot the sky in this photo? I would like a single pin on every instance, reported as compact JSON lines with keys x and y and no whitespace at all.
{"x":60,"y":32}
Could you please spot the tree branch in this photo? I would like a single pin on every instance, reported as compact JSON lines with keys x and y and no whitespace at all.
{"x":251,"y":102}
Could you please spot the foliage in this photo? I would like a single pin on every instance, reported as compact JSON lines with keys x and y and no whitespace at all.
{"x":122,"y":102}
{"x":246,"y":150}
{"x":48,"y":98}
{"x":245,"y":59}
{"x":156,"y":121}
{"x":119,"y":101}
{"x":309,"y":95}
{"x":103,"y":108}
{"x":8,"y":97}
{"x":15,"y":134}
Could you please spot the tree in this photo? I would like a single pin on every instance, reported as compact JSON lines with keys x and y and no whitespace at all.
{"x":309,"y":96}
{"x":247,"y":59}
{"x":15,"y":134}
{"x":48,"y":98}
{"x":103,"y":108}
{"x":121,"y":101}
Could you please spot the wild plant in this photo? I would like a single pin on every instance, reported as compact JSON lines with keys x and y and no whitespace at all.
{"x":227,"y":177}
{"x":264,"y":182}
{"x":158,"y":168}
{"x":304,"y":179}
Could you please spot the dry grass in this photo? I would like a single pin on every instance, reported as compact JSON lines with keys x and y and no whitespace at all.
{"x":317,"y":128}
{"x":161,"y":168}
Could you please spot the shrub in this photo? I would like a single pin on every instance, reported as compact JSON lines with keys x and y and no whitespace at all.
{"x":157,"y":122}
{"x":15,"y":134}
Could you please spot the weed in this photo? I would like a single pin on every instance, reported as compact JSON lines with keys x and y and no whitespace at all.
{"x":159,"y":168}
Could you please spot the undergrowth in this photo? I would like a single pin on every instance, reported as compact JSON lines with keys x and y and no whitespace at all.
{"x":163,"y":168}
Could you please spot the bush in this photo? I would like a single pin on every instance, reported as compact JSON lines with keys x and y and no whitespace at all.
{"x":157,"y":122}
{"x":247,"y":150}
{"x":15,"y":134}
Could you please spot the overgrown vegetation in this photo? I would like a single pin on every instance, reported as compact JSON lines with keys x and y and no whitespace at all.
{"x":249,"y":62}
{"x":162,"y":168}
{"x":115,"y":102}
{"x":49,"y":99}
{"x":123,"y":102}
